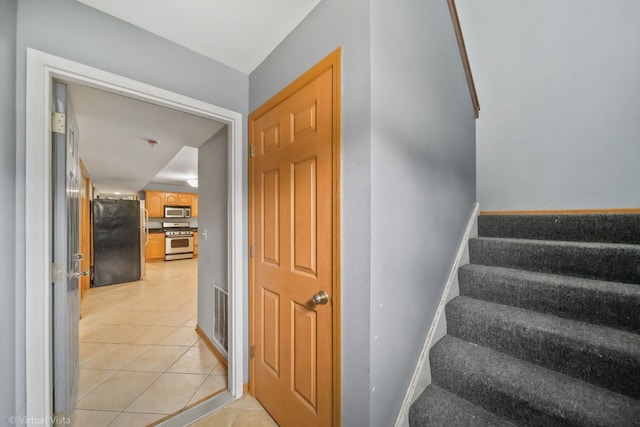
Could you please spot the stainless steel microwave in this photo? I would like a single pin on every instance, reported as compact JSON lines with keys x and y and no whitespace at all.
{"x":177,"y":212}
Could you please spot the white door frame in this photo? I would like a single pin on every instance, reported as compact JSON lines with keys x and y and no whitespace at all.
{"x":41,"y":69}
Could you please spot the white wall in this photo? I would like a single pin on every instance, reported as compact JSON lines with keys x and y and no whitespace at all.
{"x":559,"y":92}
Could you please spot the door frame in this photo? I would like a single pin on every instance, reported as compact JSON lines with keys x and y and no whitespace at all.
{"x":333,"y":62}
{"x":42,"y":68}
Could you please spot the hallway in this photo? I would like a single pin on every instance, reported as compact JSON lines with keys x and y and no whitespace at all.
{"x":140,"y":357}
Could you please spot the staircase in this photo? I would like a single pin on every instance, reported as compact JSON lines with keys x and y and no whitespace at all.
{"x":546,"y":330}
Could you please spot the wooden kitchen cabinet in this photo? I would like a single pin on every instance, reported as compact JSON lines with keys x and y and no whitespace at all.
{"x":155,"y":248}
{"x":171,"y":199}
{"x":194,"y":205}
{"x":154,"y":203}
{"x":184,"y":199}
{"x":195,"y":243}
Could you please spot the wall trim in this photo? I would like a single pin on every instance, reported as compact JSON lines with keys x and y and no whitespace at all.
{"x":614,"y":211}
{"x":211,"y":346}
{"x":465,"y":58}
{"x":42,"y":68}
{"x":438,"y":326}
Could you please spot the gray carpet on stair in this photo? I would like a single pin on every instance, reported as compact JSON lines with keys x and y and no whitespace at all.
{"x":604,"y":303}
{"x":546,"y":330}
{"x":597,"y":354}
{"x":437,"y":407}
{"x":603,"y":228}
{"x":601,"y":261}
{"x":524,"y":392}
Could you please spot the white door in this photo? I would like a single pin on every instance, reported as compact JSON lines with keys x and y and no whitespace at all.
{"x":66,"y":255}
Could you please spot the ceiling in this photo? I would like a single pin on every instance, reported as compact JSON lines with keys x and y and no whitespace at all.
{"x":114,"y":129}
{"x":238,"y":33}
{"x":113,"y":132}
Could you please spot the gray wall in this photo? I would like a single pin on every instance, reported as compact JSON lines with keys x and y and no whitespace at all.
{"x":74,"y":31}
{"x":212,"y":217}
{"x":168,"y":188}
{"x":422,"y":183}
{"x":558,"y":85}
{"x":7,"y":193}
{"x":331,"y":24}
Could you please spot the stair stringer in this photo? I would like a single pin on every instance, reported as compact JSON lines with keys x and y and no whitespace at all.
{"x":422,"y":374}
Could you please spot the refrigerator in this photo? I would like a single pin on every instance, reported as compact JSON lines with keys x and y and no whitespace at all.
{"x":118,"y":241}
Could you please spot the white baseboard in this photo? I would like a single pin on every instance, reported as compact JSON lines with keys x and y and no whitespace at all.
{"x":422,"y":374}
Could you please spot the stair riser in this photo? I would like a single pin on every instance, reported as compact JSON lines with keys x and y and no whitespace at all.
{"x":601,"y":306}
{"x":602,"y":366}
{"x":437,"y":407}
{"x":617,"y":264}
{"x":620,"y":228}
{"x":476,"y":390}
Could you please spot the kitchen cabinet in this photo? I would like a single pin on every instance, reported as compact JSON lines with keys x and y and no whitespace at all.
{"x":171,"y":199}
{"x":195,"y":243}
{"x":155,"y":247}
{"x":184,"y":199}
{"x":154,"y":202}
{"x":194,"y":206}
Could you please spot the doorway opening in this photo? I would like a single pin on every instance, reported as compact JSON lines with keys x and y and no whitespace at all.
{"x":39,"y":368}
{"x":137,"y":328}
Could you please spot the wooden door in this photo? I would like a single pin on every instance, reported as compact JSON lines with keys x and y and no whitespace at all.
{"x":154,"y":203}
{"x":293,"y":200}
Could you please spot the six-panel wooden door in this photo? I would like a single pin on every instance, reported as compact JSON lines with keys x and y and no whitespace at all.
{"x":292,"y":201}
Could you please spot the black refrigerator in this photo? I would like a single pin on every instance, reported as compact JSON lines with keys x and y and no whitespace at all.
{"x":116,"y":241}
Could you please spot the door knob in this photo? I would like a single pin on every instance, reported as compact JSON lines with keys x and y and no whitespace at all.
{"x":320,"y":298}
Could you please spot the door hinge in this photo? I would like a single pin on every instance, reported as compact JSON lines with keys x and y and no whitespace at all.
{"x":252,"y":150}
{"x":252,"y":251}
{"x":252,"y":351}
{"x":58,"y":121}
{"x":57,"y":272}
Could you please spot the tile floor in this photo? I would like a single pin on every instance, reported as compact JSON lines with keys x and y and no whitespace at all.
{"x":244,"y":412}
{"x":140,"y":358}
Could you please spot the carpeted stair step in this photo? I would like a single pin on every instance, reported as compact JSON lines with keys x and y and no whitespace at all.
{"x":604,"y":228}
{"x":601,"y":261}
{"x":523,"y":392}
{"x":605,"y":303}
{"x":597,"y":354}
{"x":437,"y":407}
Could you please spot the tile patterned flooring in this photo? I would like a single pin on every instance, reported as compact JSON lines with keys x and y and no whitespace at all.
{"x":244,"y":412}
{"x":140,"y":357}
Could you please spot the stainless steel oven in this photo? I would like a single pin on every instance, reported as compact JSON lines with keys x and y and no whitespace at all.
{"x":178,"y":241}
